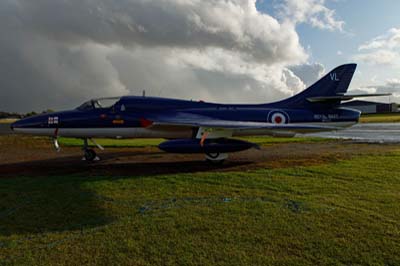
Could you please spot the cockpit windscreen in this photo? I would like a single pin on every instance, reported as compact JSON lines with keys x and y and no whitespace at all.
{"x":103,"y":103}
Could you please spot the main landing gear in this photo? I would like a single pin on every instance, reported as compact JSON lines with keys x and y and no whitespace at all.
{"x":216,"y":158}
{"x":89,"y":154}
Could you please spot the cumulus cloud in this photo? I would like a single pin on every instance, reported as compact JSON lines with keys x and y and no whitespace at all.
{"x":390,"y":86}
{"x":379,"y":57}
{"x":381,"y":50}
{"x":309,"y":73}
{"x":312,"y":12}
{"x":208,"y":74}
{"x":58,"y":53}
{"x":390,"y":40}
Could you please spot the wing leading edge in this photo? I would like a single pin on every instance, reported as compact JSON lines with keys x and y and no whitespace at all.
{"x":183,"y":119}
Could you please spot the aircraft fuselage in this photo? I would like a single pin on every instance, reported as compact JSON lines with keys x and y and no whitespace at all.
{"x":127,"y":119}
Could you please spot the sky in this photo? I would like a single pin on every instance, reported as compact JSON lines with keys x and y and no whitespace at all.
{"x":58,"y":54}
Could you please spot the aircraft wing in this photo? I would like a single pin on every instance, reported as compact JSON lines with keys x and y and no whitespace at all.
{"x":184,"y":119}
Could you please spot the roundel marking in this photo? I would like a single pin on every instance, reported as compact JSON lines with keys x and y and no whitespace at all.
{"x":278,"y":117}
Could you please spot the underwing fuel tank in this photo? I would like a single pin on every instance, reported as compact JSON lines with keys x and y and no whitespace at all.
{"x":221,"y":145}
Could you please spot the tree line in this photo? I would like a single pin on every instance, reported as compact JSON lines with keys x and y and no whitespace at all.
{"x":19,"y":115}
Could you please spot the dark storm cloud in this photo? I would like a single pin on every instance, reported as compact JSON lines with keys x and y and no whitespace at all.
{"x":56,"y":53}
{"x":231,"y":24}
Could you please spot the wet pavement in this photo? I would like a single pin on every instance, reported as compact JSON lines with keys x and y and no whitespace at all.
{"x":367,"y":132}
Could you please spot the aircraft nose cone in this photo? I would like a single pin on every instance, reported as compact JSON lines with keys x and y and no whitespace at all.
{"x":14,"y":125}
{"x":25,"y":123}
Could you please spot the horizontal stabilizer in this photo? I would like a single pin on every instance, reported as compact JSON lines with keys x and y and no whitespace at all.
{"x":343,"y":97}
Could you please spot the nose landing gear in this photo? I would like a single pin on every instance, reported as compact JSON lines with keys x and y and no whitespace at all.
{"x":90,"y":155}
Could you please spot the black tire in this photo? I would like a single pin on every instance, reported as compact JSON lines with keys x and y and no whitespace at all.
{"x":213,"y":155}
{"x":90,"y":155}
{"x":214,"y":162}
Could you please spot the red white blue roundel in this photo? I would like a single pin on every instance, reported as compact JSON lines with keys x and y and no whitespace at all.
{"x":278,"y":118}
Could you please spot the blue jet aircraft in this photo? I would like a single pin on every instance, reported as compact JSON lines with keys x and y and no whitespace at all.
{"x":201,"y":127}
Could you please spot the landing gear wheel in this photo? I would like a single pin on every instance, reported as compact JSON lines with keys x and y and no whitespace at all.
{"x":215,"y":162}
{"x":90,"y":155}
{"x":213,"y":155}
{"x":216,"y":158}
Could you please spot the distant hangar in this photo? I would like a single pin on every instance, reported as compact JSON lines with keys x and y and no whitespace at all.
{"x":372,"y":107}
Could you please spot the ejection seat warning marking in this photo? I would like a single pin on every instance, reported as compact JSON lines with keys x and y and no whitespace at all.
{"x":118,"y":122}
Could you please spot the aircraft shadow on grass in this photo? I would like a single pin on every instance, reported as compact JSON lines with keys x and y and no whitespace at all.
{"x":50,"y":195}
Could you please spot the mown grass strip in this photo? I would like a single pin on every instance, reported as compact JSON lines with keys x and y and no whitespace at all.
{"x":7,"y":120}
{"x":337,"y":213}
{"x":113,"y":142}
{"x":380,"y":118}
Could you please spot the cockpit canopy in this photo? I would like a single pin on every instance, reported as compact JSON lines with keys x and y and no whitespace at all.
{"x":100,"y":103}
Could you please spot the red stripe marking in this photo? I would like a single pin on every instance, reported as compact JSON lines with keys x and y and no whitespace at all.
{"x":145,"y":122}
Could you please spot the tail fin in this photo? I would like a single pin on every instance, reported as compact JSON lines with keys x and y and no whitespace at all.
{"x":335,"y":83}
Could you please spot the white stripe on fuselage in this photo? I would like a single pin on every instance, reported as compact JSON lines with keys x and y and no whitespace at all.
{"x":106,"y":132}
{"x":165,"y":133}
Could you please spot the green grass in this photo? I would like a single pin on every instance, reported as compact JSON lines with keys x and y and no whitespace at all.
{"x":112,"y":142}
{"x":380,"y":118}
{"x":71,"y":142}
{"x":343,"y":213}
